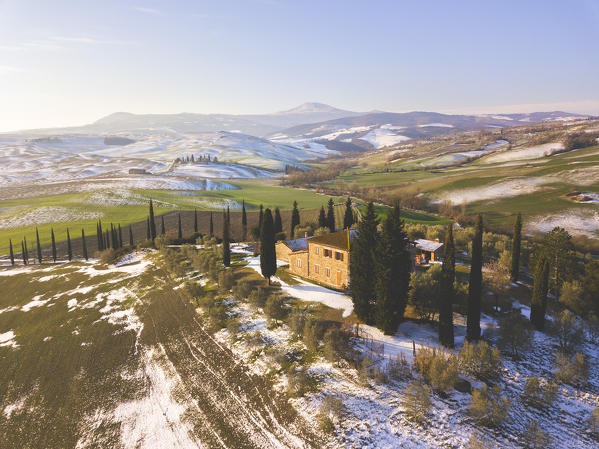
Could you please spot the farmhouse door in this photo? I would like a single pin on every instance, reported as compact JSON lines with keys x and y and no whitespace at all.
{"x":338,"y":277}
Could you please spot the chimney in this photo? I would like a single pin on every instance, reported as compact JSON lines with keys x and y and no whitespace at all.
{"x":436,"y":240}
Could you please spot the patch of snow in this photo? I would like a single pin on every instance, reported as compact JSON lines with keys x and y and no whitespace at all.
{"x":535,"y":152}
{"x":383,"y":137}
{"x":8,"y":339}
{"x":436,"y":125}
{"x":577,"y":222}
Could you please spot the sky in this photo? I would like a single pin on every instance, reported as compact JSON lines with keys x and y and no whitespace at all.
{"x":66,"y":63}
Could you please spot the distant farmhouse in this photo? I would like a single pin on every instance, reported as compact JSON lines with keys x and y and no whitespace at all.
{"x":325,"y":259}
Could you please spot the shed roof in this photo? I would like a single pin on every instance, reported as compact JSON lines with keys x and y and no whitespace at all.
{"x":428,"y":245}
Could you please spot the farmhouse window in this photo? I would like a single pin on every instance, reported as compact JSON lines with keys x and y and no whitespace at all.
{"x":316,"y":269}
{"x":338,"y":256}
{"x":317,"y":250}
{"x":328,"y":270}
{"x":299,"y":263}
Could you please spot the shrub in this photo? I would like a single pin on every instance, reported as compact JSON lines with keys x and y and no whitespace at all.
{"x":571,"y":296}
{"x":535,"y":437}
{"x":300,"y":382}
{"x":594,"y":421}
{"x":568,"y":330}
{"x":417,"y":402}
{"x":193,"y":289}
{"x":399,"y":368}
{"x":310,"y":334}
{"x":275,"y":308}
{"x":218,"y":316}
{"x":297,"y":319}
{"x":539,"y":394}
{"x":331,"y":409}
{"x":477,"y":443}
{"x":242,"y":290}
{"x":480,"y":360}
{"x":336,"y":344}
{"x":258,"y":297}
{"x":488,"y":407}
{"x":225,"y":280}
{"x":233,"y":326}
{"x":438,"y":368}
{"x":515,"y":333}
{"x":424,"y":292}
{"x":573,"y":371}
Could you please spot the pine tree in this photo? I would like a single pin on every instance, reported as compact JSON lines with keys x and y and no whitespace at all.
{"x":152,"y":222}
{"x":12,"y":254}
{"x":226,"y":241}
{"x":278,"y":221}
{"x":392,"y":274}
{"x":516,"y":244}
{"x":244,"y":222}
{"x":295,"y":218}
{"x":195,"y":221}
{"x":540,"y":288}
{"x":84,"y":244}
{"x":268,"y":257}
{"x":475,"y":285}
{"x":322,"y":218}
{"x":120,"y":237}
{"x":331,"y":215}
{"x":148,"y":230}
{"x":23,"y":253}
{"x":69,"y":248}
{"x":260,"y":217}
{"x":130,"y":236}
{"x":39,"y":247}
{"x":180,"y":229}
{"x":211,"y":226}
{"x":53,"y":244}
{"x":447,"y":291}
{"x":363,"y":267}
{"x":348,"y":217}
{"x":162,"y":227}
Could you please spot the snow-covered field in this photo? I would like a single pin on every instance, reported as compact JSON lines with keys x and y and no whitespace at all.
{"x":576,"y":222}
{"x":525,"y":153}
{"x":382,"y":137}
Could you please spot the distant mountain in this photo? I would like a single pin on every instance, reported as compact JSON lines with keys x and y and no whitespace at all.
{"x":379,"y":129}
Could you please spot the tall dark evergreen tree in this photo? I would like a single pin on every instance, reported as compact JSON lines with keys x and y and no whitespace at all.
{"x":23,"y":253}
{"x":69,"y":248}
{"x":195,"y":221}
{"x":211,"y":226}
{"x":130,"y":236}
{"x":100,"y":238}
{"x":83,"y":244}
{"x":331,"y":215}
{"x":162,"y":227}
{"x":152,"y":222}
{"x":226,"y":240}
{"x":295,"y":219}
{"x":348,"y":217}
{"x":540,"y":288}
{"x":447,"y":290}
{"x":106,"y":239}
{"x":12,"y":254}
{"x":114,"y":237}
{"x":322,"y":218}
{"x":268,"y":257}
{"x":278,"y":221}
{"x":260,"y":217}
{"x":244,"y":222}
{"x":179,"y":228}
{"x":363,"y":266}
{"x":120,"y":237}
{"x":39,"y":247}
{"x":53,"y":244}
{"x":148,"y":230}
{"x":26,"y":250}
{"x":392,"y":274}
{"x":516,"y":244}
{"x":475,"y":286}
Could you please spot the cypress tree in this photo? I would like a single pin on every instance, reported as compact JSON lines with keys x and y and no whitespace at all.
{"x":23,"y":253}
{"x":475,"y":286}
{"x":26,"y":250}
{"x":162,"y":227}
{"x":211,"y":225}
{"x":348,"y":217}
{"x":331,"y":215}
{"x":101,"y":246}
{"x":244,"y":222}
{"x":226,"y":241}
{"x":392,"y":274}
{"x":295,"y":218}
{"x":260,"y":217}
{"x":278,"y":221}
{"x":130,"y":236}
{"x":180,"y":230}
{"x":447,"y":292}
{"x":539,"y":293}
{"x":12,"y":254}
{"x":39,"y":247}
{"x":268,"y":257}
{"x":53,"y":244}
{"x":114,"y":237}
{"x":84,"y":244}
{"x":516,"y":244}
{"x":363,"y":267}
{"x":152,"y":222}
{"x":69,"y":248}
{"x":148,"y":230}
{"x":106,"y":239}
{"x":120,"y":237}
{"x":322,"y":218}
{"x":195,"y":221}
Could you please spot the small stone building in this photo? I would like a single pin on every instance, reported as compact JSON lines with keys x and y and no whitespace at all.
{"x":427,"y":251}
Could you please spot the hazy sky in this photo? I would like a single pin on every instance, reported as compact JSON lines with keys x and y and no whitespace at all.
{"x":72,"y":62}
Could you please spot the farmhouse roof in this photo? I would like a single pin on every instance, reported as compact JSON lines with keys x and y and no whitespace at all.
{"x":297,"y":244}
{"x":336,"y":239}
{"x":428,"y":245}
